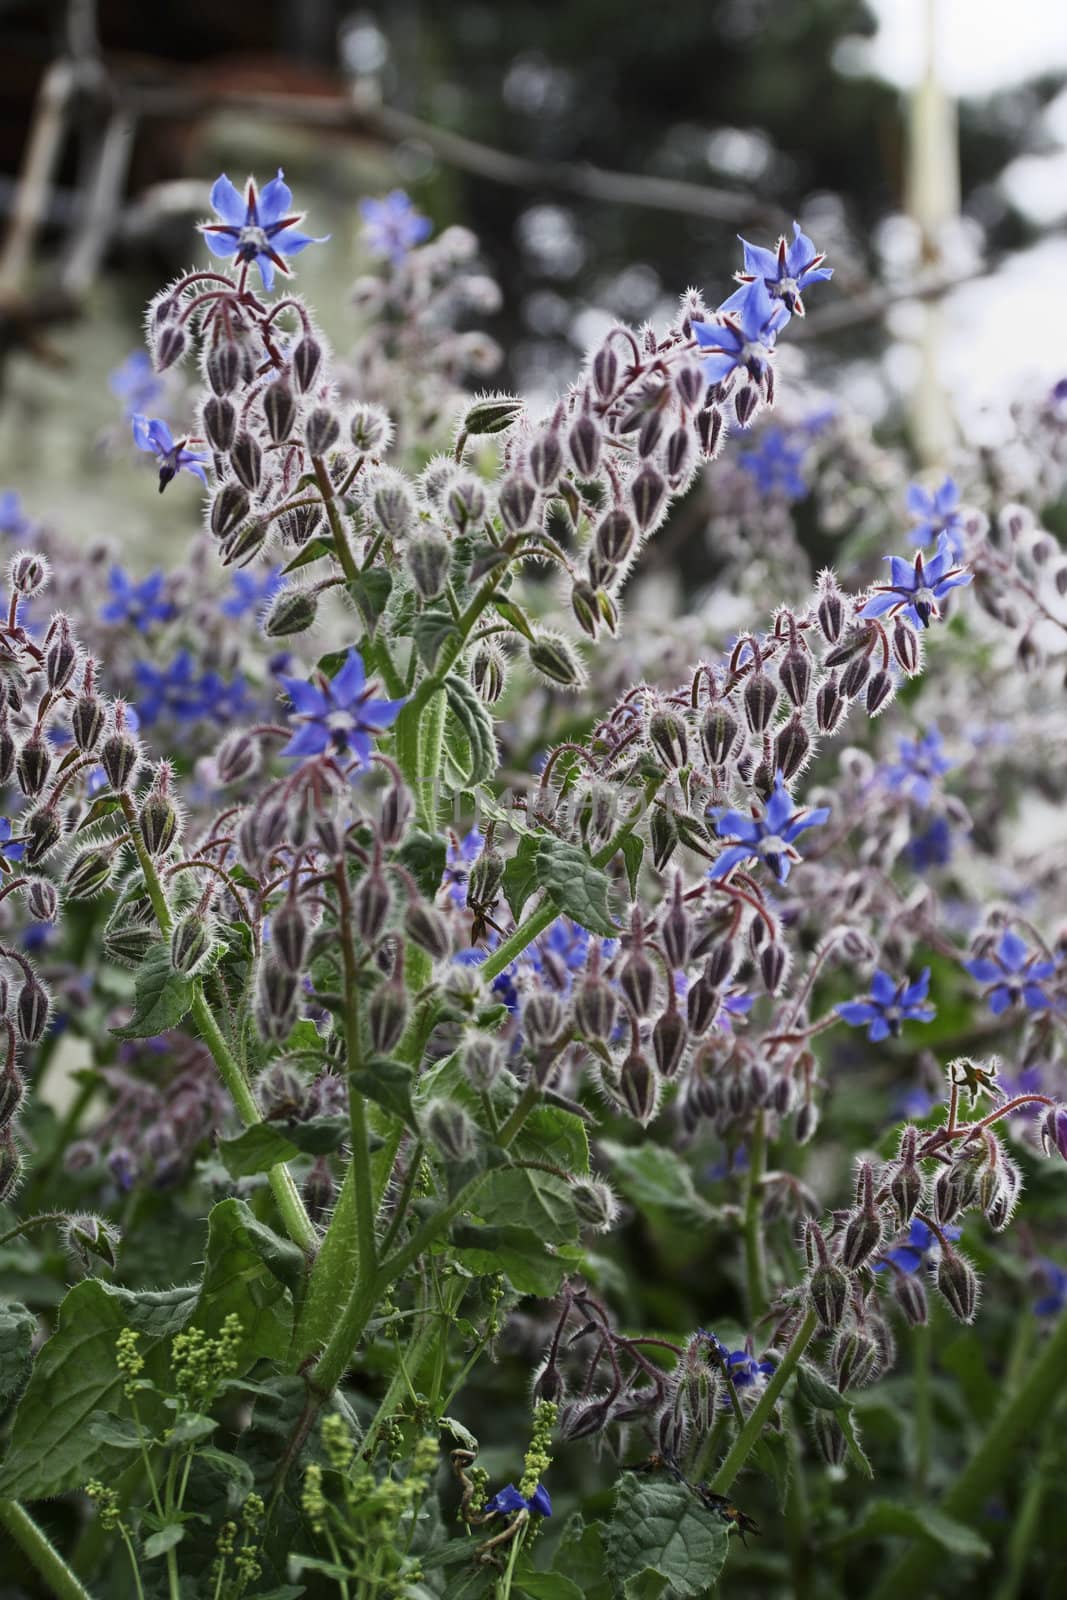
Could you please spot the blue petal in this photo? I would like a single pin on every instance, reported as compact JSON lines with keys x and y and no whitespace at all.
{"x":857,"y":1012}
{"x":1035,"y":997}
{"x":718,"y":367}
{"x":350,"y":681}
{"x":734,"y":824}
{"x":227,"y":203}
{"x":902,"y":574}
{"x":762,"y":263}
{"x":506,"y":1499}
{"x":878,"y":1030}
{"x":779,"y":807}
{"x":1012,"y":951}
{"x":291,"y":241}
{"x":983,"y":969}
{"x":883,"y":988}
{"x":919,"y":501}
{"x":383,"y":713}
{"x":729,"y":859}
{"x":275,"y":200}
{"x":306,"y":699}
{"x":540,"y":1501}
{"x":880,"y":603}
{"x":310,"y":740}
{"x":1000,"y":999}
{"x":266,"y":270}
{"x":220,"y":244}
{"x":916,"y":992}
{"x":811,"y":819}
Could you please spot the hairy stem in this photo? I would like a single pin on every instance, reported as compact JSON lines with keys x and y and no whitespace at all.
{"x":41,"y":1552}
{"x":755,"y":1258}
{"x":746,"y":1440}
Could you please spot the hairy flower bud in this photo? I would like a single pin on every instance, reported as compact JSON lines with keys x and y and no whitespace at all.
{"x":387,"y":1015}
{"x":158,"y":822}
{"x":487,"y":673}
{"x":828,"y":1289}
{"x":863,"y":1236}
{"x":190,"y":942}
{"x":237,"y":758}
{"x":429,"y":559}
{"x":639,"y":1087}
{"x":279,"y":410}
{"x":556,"y":659}
{"x":428,"y":928}
{"x":228,"y":509}
{"x":307,"y":354}
{"x":595,"y":1204}
{"x":879,"y":691}
{"x":33,"y":765}
{"x":61,"y":658}
{"x":12,"y":1093}
{"x":87,"y":721}
{"x":546,"y":458}
{"x":482,"y":1056}
{"x":371,"y":905}
{"x":831,"y":614}
{"x":647,"y":490}
{"x":855,"y":675}
{"x":246,"y":459}
{"x":957,"y":1283}
{"x":220,"y":423}
{"x":89,"y":873}
{"x":718,"y":734}
{"x":792,"y":746}
{"x":760,"y":698}
{"x":853,"y":1358}
{"x":517,"y":499}
{"x":292,"y":611}
{"x":43,"y":830}
{"x":370,"y":429}
{"x":31,"y":1010}
{"x":670,"y":1037}
{"x":449,"y":1129}
{"x":830,"y":704}
{"x":583,"y":444}
{"x":321,"y":430}
{"x":667,"y":735}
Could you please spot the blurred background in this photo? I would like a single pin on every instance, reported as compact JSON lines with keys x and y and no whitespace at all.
{"x":605,"y":154}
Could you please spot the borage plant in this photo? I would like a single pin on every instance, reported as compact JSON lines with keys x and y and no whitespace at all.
{"x":424,"y":948}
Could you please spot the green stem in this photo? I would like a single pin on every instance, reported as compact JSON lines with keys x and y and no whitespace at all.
{"x":987,"y":1466}
{"x":755,"y":1258}
{"x":40,"y":1552}
{"x":745,"y":1442}
{"x":366,"y":1246}
{"x":287,"y":1197}
{"x":32,"y":1222}
{"x":350,"y":568}
{"x":920,"y":1354}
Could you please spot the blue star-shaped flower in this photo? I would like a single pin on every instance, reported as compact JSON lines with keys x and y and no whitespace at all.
{"x":339,"y":715}
{"x":935,"y":512}
{"x":921,"y":762}
{"x":889,"y":1005}
{"x":932,"y":847}
{"x":250,"y":592}
{"x":745,"y":1372}
{"x":917,"y":586}
{"x":9,"y":851}
{"x":392,"y":227}
{"x":256,"y":230}
{"x":150,"y":433}
{"x":786,"y":271}
{"x":509,"y":1499}
{"x":135,"y":383}
{"x":743,"y":335}
{"x":774,"y":464}
{"x":1014,"y":974}
{"x":184,"y":694}
{"x":909,"y":1256}
{"x":768,"y":836}
{"x":138,"y":603}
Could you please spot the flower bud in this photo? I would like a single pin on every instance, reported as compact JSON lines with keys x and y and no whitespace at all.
{"x":676,"y":455}
{"x":159,"y":824}
{"x":639,"y":1087}
{"x":828,"y":1288}
{"x":595,"y":1204}
{"x":646,"y":495}
{"x":87,"y":721}
{"x":556,"y":659}
{"x":957,"y":1283}
{"x":220,"y":423}
{"x":12,"y":1093}
{"x":425,"y":926}
{"x":279,"y":410}
{"x":718,"y":734}
{"x":663,"y":833}
{"x":863,"y":1236}
{"x":289,"y":935}
{"x":292,"y":611}
{"x":791,"y":748}
{"x":1054,"y":1131}
{"x":760,"y":698}
{"x":33,"y":765}
{"x":60,"y":659}
{"x":190,"y":942}
{"x":429,"y":559}
{"x":31,"y":1010}
{"x":879,"y":691}
{"x":546,"y":458}
{"x":637,"y":980}
{"x":829,"y":704}
{"x":42,"y":830}
{"x":307,"y":354}
{"x":910,"y":1296}
{"x":595,"y":1007}
{"x":583,"y":443}
{"x":394,"y":814}
{"x":483,"y":1060}
{"x":276,"y":1001}
{"x":773,"y":959}
{"x":42,"y":900}
{"x":831,"y":614}
{"x":485,"y":877}
{"x":371,"y":905}
{"x":370,"y":429}
{"x":853,"y":1358}
{"x":237,"y":758}
{"x":228,"y":509}
{"x":669,"y":1039}
{"x":246,"y":458}
{"x":387,"y":1015}
{"x":794,"y":674}
{"x":321,"y":430}
{"x":170,"y":347}
{"x":319,"y":1191}
{"x":614,"y":537}
{"x":855,"y":675}
{"x":129,"y":942}
{"x":89,"y":873}
{"x":517,"y":499}
{"x":449,"y":1129}
{"x":487,"y":673}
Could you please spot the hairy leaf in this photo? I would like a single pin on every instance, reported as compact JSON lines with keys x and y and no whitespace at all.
{"x":578,"y":888}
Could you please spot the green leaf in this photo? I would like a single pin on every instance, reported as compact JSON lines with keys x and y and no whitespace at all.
{"x":655,"y":1178}
{"x":257,"y":1149}
{"x":388,"y":1083}
{"x":475,"y":722}
{"x":581,"y":1557}
{"x":103,"y":806}
{"x":17,"y":1328}
{"x":520,"y":874}
{"x":161,"y":996}
{"x":432,"y":630}
{"x":157,"y":1544}
{"x":544,"y":1585}
{"x":237,"y":1474}
{"x":633,"y":853}
{"x":459,"y":1432}
{"x":248,"y":1270}
{"x":857,"y":1454}
{"x":424,"y":855}
{"x":519,"y":1197}
{"x":75,"y":1377}
{"x":119,"y":1432}
{"x":517,"y":1252}
{"x":817,"y":1390}
{"x":515,"y":615}
{"x":370,"y":592}
{"x":580,"y":890}
{"x":190,"y":1427}
{"x":556,"y":1136}
{"x":887,"y":1518}
{"x":314,"y":550}
{"x":659,"y":1525}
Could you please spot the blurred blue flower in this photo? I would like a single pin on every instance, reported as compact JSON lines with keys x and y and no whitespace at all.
{"x":919,"y":763}
{"x":1014,"y":974}
{"x":12,"y":852}
{"x":774,"y":464}
{"x":13,"y":520}
{"x":931,"y":847}
{"x":138,"y":603}
{"x":745,"y":1372}
{"x":249,"y":592}
{"x":769,"y":837}
{"x":136,"y":383}
{"x":339,"y":714}
{"x":392,"y":227}
{"x":937,"y":512}
{"x":917,"y":586}
{"x":786,"y":271}
{"x":256,"y":229}
{"x":459,"y":858}
{"x":889,"y":1005}
{"x":1053,"y":1279}
{"x":150,"y":433}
